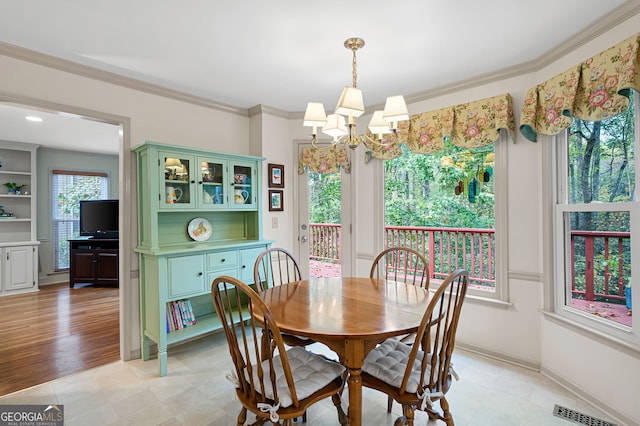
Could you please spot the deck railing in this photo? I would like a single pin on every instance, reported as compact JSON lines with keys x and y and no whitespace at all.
{"x":446,"y":249}
{"x":601,"y":269}
{"x":325,"y":242}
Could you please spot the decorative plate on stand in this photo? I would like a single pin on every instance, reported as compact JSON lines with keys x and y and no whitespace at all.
{"x":200,"y":229}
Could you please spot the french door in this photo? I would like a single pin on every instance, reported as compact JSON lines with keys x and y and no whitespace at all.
{"x":323,"y":223}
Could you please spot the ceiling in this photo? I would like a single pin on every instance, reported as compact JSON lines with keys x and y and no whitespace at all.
{"x":284,"y":53}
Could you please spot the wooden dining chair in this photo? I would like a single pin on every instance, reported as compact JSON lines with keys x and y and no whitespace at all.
{"x":275,"y":266}
{"x":419,"y":376}
{"x":401,"y":264}
{"x":276,"y":385}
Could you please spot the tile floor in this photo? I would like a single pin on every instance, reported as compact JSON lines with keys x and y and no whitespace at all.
{"x":195,"y":392}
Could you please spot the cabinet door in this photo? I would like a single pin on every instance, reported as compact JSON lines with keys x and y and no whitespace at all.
{"x":212,"y":184}
{"x":18,"y":268}
{"x":242,"y":179}
{"x":106,"y":267}
{"x":83,"y":266}
{"x":186,"y":276}
{"x":247,"y":260}
{"x":177,"y":174}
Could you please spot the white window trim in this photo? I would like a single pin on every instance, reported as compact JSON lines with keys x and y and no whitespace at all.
{"x":554,"y":245}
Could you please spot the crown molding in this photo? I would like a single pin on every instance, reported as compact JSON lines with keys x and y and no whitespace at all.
{"x":60,"y":64}
{"x":267,"y":110}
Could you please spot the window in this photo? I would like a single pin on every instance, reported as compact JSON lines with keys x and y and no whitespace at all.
{"x":596,"y":205}
{"x":69,"y":187}
{"x":445,"y":205}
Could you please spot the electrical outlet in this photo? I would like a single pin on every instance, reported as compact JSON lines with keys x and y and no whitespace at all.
{"x":274,"y":222}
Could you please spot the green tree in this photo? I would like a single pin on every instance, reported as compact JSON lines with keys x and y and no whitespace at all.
{"x":420,"y":190}
{"x":325,"y":198}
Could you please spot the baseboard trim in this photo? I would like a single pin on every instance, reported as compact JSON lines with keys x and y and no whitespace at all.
{"x":498,"y":356}
{"x":587,"y":396}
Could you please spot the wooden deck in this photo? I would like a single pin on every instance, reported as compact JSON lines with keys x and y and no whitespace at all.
{"x":318,"y":269}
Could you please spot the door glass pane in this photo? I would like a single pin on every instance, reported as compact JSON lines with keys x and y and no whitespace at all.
{"x":242,"y":184}
{"x":176,"y":180}
{"x":212,"y":182}
{"x":325,"y":229}
{"x":599,"y":248}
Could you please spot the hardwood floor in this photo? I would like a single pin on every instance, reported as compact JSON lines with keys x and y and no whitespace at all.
{"x":56,"y":332}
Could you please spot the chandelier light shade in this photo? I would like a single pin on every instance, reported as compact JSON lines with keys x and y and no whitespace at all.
{"x":315,"y":116}
{"x":341,"y":125}
{"x":335,"y":126}
{"x":351,"y":103}
{"x":378,"y":125}
{"x":395,"y":109}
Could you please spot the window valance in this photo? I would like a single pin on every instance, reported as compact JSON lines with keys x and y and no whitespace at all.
{"x":593,"y":90}
{"x":324,"y":160}
{"x":470,"y":125}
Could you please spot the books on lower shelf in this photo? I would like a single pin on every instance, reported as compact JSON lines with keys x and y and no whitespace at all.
{"x":179,"y":315}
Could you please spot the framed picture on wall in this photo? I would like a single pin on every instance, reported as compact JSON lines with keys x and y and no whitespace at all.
{"x":276,"y":201}
{"x":276,"y":176}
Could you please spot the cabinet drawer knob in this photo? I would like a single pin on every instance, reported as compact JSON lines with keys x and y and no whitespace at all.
{"x":199,"y":274}
{"x":222,"y":260}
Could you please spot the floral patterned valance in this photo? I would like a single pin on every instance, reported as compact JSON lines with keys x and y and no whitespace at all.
{"x":470,"y":125}
{"x":324,"y":160}
{"x":594,"y":90}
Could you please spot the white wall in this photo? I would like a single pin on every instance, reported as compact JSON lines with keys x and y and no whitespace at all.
{"x":518,"y":332}
{"x":276,"y":146}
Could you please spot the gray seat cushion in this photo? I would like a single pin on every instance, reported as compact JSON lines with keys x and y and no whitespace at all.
{"x":388,"y":362}
{"x":310,"y":372}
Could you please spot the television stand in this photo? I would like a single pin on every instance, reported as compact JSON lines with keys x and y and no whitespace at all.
{"x":93,"y":261}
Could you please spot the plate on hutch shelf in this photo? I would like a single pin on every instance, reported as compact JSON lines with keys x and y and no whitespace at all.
{"x":200,"y":229}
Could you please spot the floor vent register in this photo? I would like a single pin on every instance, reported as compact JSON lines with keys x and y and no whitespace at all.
{"x":579,"y":418}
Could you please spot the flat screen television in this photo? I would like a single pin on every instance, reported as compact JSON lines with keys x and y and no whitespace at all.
{"x":99,"y":218}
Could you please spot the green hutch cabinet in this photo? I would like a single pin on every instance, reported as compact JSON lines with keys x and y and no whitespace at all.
{"x":199,"y":217}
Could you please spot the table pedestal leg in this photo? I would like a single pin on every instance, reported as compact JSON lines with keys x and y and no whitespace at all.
{"x":354,"y":358}
{"x":355,"y":397}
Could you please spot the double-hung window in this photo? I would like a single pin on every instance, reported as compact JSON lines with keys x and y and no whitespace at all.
{"x":596,"y":221}
{"x":445,"y":205}
{"x":69,"y":187}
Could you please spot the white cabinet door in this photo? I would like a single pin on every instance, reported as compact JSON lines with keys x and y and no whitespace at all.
{"x":18,"y":267}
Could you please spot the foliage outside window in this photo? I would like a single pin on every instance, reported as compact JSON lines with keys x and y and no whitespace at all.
{"x":69,"y":188}
{"x":443,"y":205}
{"x":596,"y":187}
{"x":325,"y":194}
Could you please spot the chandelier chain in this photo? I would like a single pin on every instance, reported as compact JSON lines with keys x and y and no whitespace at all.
{"x":354,"y":72}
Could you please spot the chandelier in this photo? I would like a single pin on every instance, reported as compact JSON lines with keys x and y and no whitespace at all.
{"x":341,"y":125}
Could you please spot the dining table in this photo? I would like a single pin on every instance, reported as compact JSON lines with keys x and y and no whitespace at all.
{"x":351,"y":315}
